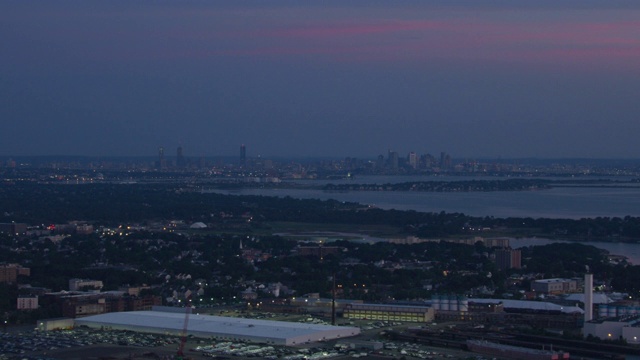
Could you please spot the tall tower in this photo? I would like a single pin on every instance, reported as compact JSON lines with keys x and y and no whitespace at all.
{"x":413,"y":160}
{"x":162,"y":163}
{"x":445,"y":161}
{"x":243,"y":156}
{"x":180,"y":161}
{"x":588,"y":297}
{"x":380,"y":162}
{"x":392,"y":160}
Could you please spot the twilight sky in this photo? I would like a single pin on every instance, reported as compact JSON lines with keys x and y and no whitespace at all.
{"x":325,"y":78}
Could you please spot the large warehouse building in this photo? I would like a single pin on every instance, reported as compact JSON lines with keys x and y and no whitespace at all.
{"x":223,"y":328}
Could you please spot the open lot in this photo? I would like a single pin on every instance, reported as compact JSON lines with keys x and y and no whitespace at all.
{"x":83,"y":343}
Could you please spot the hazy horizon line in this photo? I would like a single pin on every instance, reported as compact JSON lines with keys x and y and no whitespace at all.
{"x":316,"y":157}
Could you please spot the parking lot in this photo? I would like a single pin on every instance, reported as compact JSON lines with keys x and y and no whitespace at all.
{"x":85,"y":343}
{"x":37,"y":344}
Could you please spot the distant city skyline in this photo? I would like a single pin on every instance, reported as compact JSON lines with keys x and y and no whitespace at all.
{"x":477,"y":79}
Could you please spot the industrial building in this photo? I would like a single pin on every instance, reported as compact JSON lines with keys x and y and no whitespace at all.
{"x":524,"y":306}
{"x":618,"y":309}
{"x":503,"y":311}
{"x":616,"y":321}
{"x":615,"y":328}
{"x":223,"y":328}
{"x":321,"y":306}
{"x":461,"y":304}
{"x":386,"y":312}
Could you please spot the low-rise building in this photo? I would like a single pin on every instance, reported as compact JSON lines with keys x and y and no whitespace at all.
{"x":79,"y":284}
{"x":554,"y":286}
{"x":318,"y":251}
{"x":84,"y":229}
{"x":55,"y":324}
{"x":248,"y":294}
{"x":9,"y":272}
{"x":13,"y":228}
{"x":27,"y":303}
{"x":133,"y":290}
{"x":78,"y":304}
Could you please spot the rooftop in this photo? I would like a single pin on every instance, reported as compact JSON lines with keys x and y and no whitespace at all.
{"x":219,"y":326}
{"x":530,"y":305}
{"x":554,"y":280}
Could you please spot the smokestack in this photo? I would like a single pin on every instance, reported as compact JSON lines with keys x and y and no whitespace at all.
{"x":588,"y":297}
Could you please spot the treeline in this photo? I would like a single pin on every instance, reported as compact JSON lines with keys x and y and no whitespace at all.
{"x":447,"y":186}
{"x":136,"y":203}
{"x":483,"y":185}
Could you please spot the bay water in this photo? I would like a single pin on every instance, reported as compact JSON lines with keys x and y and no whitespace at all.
{"x":558,"y":202}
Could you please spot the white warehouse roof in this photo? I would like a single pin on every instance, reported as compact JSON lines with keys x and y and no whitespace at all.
{"x":598,"y":298}
{"x":198,"y":225}
{"x":530,"y":305}
{"x":262,"y":331}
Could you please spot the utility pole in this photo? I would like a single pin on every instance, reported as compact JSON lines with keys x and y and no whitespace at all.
{"x":333,"y":301}
{"x":183,"y":339}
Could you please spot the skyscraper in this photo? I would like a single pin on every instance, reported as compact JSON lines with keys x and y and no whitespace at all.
{"x":445,"y":161}
{"x":243,"y":156}
{"x":180,"y":161}
{"x":380,"y":162}
{"x":413,"y":160}
{"x":393,"y":160}
{"x":162,"y":163}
